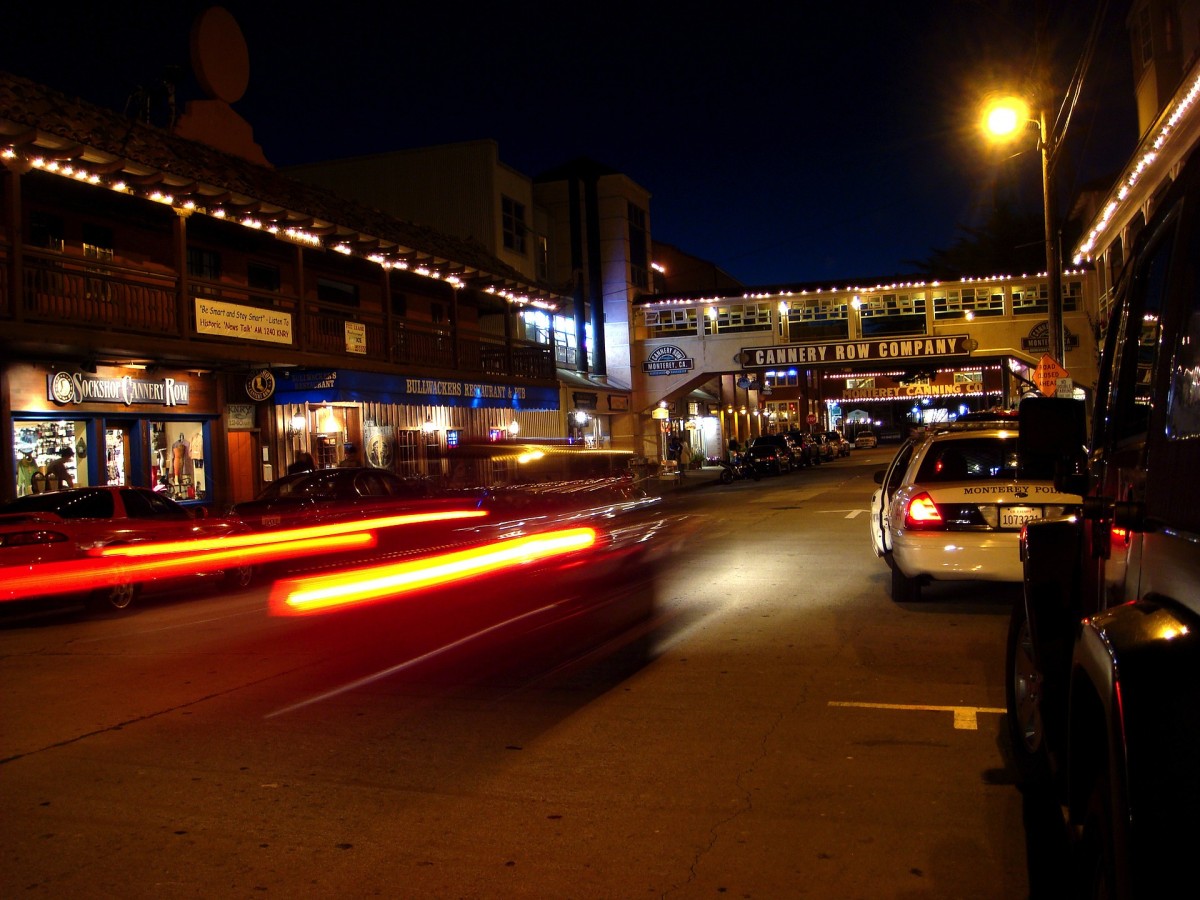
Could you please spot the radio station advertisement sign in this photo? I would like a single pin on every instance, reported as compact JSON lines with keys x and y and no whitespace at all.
{"x":248,"y":323}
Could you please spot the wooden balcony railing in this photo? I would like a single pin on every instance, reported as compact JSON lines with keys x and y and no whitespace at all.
{"x":57,"y":289}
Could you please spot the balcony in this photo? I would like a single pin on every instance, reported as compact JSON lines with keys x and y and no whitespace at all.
{"x":120,"y":306}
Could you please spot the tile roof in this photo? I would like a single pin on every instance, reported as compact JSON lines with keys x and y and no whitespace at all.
{"x":36,"y":119}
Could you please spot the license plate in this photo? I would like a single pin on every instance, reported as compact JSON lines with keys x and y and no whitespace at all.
{"x":1016,"y":516}
{"x":270,"y":521}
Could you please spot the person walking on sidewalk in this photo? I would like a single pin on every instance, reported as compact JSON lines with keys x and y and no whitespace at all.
{"x":685,"y":459}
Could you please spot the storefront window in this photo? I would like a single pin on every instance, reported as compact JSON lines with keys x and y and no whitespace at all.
{"x":177,"y":459}
{"x":50,"y":455}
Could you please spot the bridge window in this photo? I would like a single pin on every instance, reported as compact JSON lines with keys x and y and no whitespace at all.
{"x":737,"y":318}
{"x":888,"y":314}
{"x":980,"y":301}
{"x":664,"y":322}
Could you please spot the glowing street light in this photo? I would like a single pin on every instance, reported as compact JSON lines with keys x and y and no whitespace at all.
{"x":1007,"y":118}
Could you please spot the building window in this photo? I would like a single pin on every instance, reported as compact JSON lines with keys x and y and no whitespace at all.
{"x":98,"y":245}
{"x":203,"y":265}
{"x":45,"y":231}
{"x":399,"y":304}
{"x":542,"y":258}
{"x":513,"y":223}
{"x":340,"y":292}
{"x":262,"y":277}
{"x":639,"y":250}
{"x":437,"y":313}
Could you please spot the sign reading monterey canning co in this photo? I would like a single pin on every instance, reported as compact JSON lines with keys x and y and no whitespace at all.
{"x":78,"y":387}
{"x":847,"y":351}
{"x":667,"y":360}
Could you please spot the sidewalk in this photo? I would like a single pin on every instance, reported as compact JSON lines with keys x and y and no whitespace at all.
{"x":658,"y":485}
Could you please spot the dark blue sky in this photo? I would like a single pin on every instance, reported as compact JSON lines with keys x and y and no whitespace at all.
{"x":785,"y":145}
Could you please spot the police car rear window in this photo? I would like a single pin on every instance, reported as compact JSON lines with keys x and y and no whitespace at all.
{"x":974,"y":459}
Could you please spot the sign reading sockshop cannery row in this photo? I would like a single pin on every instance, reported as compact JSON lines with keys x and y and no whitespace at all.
{"x":893,"y":348}
{"x":80,"y":387}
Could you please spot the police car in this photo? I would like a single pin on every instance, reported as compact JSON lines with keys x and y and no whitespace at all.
{"x":952,"y":503}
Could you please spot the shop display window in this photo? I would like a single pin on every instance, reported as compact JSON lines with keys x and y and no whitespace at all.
{"x":177,"y":454}
{"x":50,"y":455}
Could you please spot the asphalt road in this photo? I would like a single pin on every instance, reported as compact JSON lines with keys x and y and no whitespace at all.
{"x":777,"y":727}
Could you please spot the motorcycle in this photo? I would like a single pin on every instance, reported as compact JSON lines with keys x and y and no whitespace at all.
{"x":737,"y":468}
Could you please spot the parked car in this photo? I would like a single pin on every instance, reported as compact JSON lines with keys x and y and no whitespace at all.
{"x":841,"y":446}
{"x":771,"y":454}
{"x":1103,"y":654}
{"x":952,"y":503}
{"x":865,"y":440}
{"x":809,"y":449}
{"x":73,"y":525}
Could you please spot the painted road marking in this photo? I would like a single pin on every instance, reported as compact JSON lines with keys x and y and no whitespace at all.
{"x":850,"y":513}
{"x":965,"y":717}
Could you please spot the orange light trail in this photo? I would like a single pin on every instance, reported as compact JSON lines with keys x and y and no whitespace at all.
{"x":70,"y":576}
{"x":258,"y":539}
{"x":324,"y":592}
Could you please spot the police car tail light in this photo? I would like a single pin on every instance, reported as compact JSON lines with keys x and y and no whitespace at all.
{"x":922,"y":512}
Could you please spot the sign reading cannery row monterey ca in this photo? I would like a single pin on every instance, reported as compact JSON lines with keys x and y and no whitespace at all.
{"x":897,"y":348}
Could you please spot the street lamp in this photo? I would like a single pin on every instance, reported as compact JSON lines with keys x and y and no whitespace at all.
{"x":1004,"y":118}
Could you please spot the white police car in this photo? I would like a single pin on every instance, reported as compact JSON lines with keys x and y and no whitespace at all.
{"x":952,"y":503}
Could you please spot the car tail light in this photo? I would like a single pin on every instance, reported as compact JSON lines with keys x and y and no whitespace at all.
{"x":922,"y":512}
{"x":32,"y":538}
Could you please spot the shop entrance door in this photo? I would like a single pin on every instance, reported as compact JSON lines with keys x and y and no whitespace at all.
{"x":118,"y":455}
{"x":245,"y":480}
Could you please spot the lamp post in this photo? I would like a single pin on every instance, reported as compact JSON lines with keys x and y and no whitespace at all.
{"x":1004,"y":118}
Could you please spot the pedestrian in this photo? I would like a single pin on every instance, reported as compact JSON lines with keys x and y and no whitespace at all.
{"x":57,"y":474}
{"x":685,"y":458}
{"x":351,"y":457}
{"x":674,"y":448}
{"x":304,"y":463}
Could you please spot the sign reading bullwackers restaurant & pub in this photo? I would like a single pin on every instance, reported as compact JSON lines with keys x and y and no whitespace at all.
{"x":892,"y":348}
{"x":79,"y":387}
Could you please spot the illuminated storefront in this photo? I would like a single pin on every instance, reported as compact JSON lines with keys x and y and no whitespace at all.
{"x":114,"y":425}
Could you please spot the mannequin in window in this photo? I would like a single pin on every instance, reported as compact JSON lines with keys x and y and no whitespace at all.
{"x":180,"y":457}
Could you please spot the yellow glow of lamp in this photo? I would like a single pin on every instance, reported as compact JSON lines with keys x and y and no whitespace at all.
{"x":1004,"y":117}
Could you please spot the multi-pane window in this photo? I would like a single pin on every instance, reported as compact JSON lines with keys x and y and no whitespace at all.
{"x":512,"y":218}
{"x":639,"y":249}
{"x":203,"y":265}
{"x":45,"y":231}
{"x":980,"y":301}
{"x":340,"y":292}
{"x":262,"y":276}
{"x":98,"y":245}
{"x":737,"y":317}
{"x":664,"y":322}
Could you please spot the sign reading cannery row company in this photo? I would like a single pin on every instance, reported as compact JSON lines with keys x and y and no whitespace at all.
{"x":899,"y":348}
{"x":79,"y":387}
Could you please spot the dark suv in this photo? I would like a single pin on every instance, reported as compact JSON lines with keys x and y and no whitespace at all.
{"x":1103,"y":654}
{"x":772,"y":454}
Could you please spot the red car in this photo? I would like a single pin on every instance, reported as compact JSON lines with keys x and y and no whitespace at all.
{"x":53,"y":536}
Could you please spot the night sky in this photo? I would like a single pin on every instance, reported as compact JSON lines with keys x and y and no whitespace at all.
{"x":784,"y":143}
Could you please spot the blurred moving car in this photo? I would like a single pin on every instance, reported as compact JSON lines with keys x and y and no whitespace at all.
{"x":319,"y":495}
{"x":865,"y":440}
{"x":952,"y":503}
{"x":550,"y":474}
{"x":75,"y":524}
